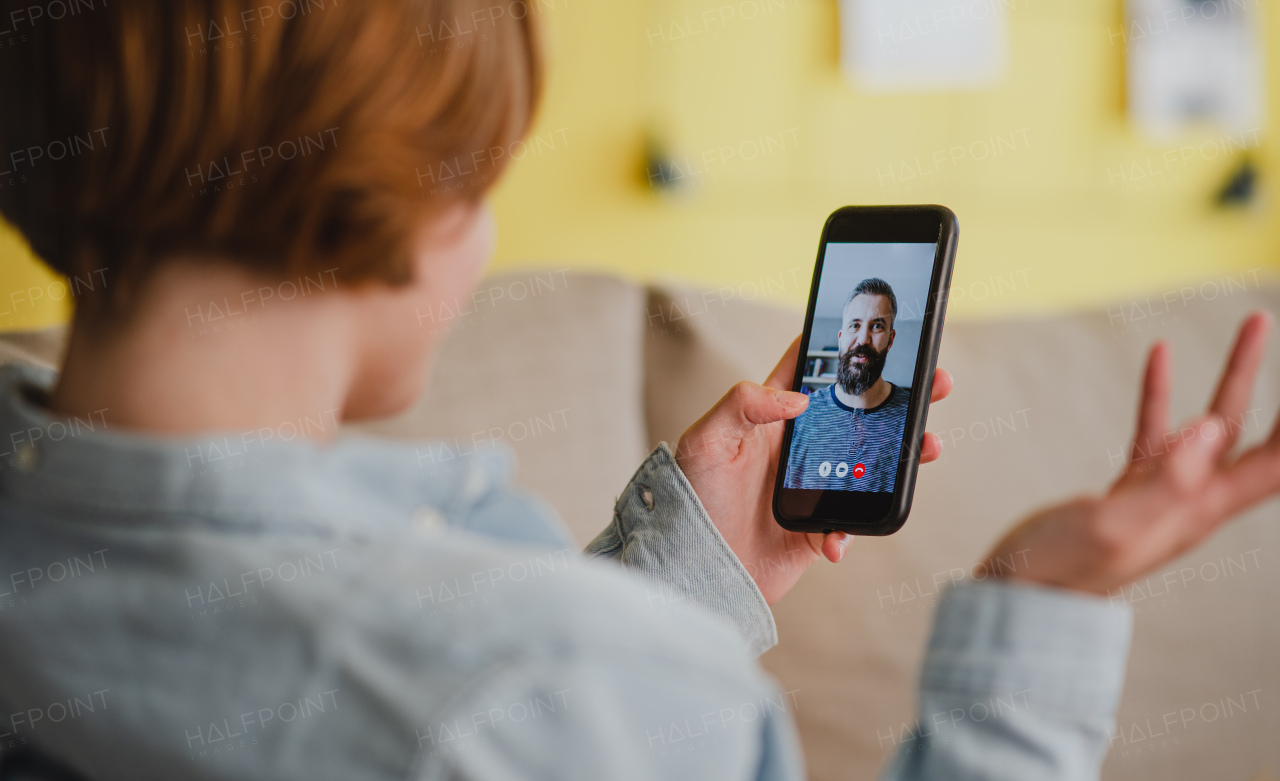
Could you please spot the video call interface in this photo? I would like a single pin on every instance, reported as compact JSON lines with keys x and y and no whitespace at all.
{"x":859,"y":364}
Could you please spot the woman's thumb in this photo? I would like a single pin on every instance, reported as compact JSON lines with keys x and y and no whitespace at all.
{"x":737,"y":414}
{"x":748,"y":404}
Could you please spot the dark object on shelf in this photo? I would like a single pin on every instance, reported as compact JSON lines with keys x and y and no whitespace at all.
{"x":1241,"y":187}
{"x":663,"y":172}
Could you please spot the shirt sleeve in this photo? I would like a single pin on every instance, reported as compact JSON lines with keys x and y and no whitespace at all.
{"x":1019,"y":682}
{"x":661,"y":530}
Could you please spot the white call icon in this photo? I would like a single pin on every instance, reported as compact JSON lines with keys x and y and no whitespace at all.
{"x":825,"y":468}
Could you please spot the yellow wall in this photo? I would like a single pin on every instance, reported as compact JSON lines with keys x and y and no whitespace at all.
{"x":1056,"y":216}
{"x":1057,"y":219}
{"x":31,"y":296}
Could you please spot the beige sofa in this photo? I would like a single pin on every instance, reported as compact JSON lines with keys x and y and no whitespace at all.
{"x":594,"y":371}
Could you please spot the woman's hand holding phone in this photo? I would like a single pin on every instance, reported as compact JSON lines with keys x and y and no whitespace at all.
{"x":730,"y":457}
{"x":1180,"y":485}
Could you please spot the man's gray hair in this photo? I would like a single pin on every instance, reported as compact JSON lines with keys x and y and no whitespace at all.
{"x":876,"y":287}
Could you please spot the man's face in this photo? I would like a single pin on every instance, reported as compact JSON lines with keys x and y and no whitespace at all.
{"x":865,"y":339}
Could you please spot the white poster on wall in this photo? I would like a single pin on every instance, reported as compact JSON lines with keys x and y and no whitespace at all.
{"x":922,"y":45}
{"x":1194,"y":62}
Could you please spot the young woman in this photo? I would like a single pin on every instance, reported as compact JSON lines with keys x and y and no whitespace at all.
{"x":335,"y":611}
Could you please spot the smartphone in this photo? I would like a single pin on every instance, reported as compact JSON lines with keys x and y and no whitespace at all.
{"x":867,"y":356}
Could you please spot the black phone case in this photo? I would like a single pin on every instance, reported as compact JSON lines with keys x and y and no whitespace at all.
{"x":922,"y":385}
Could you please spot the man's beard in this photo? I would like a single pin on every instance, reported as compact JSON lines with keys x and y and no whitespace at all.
{"x":857,"y":379}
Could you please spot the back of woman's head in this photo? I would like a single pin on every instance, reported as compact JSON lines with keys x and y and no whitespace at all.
{"x":288,"y":135}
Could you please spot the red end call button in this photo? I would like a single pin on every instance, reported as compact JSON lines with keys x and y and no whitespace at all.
{"x":859,"y":470}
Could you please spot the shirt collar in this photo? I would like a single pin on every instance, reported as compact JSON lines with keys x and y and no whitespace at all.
{"x":82,"y":465}
{"x":863,"y":410}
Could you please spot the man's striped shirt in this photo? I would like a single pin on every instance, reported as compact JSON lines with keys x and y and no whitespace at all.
{"x":831,"y":440}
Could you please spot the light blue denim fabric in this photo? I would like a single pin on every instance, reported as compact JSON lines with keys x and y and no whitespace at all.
{"x":238,"y":606}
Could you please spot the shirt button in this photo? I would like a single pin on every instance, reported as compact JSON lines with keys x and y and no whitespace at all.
{"x":26,"y":457}
{"x":646,"y":497}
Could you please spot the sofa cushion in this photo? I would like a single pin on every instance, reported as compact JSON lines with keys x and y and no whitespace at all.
{"x":1042,"y":410}
{"x":554,"y":375}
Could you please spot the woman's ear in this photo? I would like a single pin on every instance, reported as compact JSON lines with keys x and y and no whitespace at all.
{"x":451,"y":252}
{"x":401,"y":327}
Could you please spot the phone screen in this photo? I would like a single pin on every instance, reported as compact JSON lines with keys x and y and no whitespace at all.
{"x":859,"y":365}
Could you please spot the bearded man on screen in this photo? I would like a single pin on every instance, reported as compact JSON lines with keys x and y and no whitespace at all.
{"x":850,"y":437}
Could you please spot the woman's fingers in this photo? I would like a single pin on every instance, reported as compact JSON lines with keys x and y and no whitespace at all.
{"x":1167,"y":512}
{"x":1252,"y":478}
{"x":835,"y":545}
{"x":930,"y":448}
{"x":785,"y":372}
{"x":1153,"y":407}
{"x":1236,"y":386}
{"x":942,"y":384}
{"x":1193,"y":459}
{"x":931,"y":445}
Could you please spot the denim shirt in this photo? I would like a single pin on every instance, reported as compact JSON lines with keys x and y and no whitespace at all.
{"x":243,"y":606}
